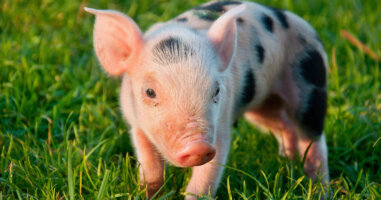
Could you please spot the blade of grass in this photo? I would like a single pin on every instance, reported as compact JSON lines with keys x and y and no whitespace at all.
{"x":228,"y":188}
{"x":70,"y":178}
{"x":103,"y":189}
{"x":352,"y":39}
{"x":267,"y":192}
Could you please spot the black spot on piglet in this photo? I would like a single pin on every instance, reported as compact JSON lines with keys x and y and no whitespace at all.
{"x":240,"y":20}
{"x":281,"y":17}
{"x":172,"y":50}
{"x":260,"y":52}
{"x":248,"y":90}
{"x":217,"y":6}
{"x":183,"y":19}
{"x":312,"y":118}
{"x":267,"y":22}
{"x":313,"y":69}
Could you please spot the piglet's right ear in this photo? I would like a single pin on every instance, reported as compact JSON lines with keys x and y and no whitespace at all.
{"x":117,"y":39}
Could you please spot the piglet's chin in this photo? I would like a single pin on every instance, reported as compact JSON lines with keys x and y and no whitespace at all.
{"x":195,"y":154}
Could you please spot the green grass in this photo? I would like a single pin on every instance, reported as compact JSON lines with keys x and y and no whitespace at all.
{"x":62,"y":135}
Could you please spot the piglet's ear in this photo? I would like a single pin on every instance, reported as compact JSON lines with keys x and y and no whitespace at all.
{"x":116,"y":40}
{"x":223,"y":35}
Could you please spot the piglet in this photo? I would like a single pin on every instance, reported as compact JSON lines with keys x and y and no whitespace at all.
{"x":186,"y":81}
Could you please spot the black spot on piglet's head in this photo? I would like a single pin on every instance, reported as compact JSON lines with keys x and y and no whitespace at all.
{"x":172,"y":50}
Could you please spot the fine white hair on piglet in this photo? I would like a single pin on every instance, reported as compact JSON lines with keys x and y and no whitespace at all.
{"x":179,"y":50}
{"x":187,"y":80}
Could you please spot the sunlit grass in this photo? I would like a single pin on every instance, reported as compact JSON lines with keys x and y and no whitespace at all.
{"x":62,"y":134}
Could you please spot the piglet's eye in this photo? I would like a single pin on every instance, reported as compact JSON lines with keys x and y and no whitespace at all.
{"x":151,"y":93}
{"x":216,"y":95}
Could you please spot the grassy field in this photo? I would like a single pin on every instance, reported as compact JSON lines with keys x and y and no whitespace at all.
{"x":62,"y":135}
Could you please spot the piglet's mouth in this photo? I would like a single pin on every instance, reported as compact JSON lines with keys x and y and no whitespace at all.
{"x":195,"y":154}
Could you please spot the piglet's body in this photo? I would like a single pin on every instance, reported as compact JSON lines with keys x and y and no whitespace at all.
{"x":187,"y":80}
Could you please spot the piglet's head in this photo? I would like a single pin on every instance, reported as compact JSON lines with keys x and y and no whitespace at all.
{"x":173,"y":80}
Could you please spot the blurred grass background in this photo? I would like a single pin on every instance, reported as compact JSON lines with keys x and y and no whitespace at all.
{"x":62,"y":135}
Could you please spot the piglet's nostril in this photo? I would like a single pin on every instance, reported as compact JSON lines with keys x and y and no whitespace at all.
{"x":195,"y":154}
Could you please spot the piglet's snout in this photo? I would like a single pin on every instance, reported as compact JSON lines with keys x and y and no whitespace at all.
{"x":196,"y":153}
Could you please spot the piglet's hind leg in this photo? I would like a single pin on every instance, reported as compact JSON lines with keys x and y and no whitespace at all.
{"x":311,"y":120}
{"x":316,"y":162}
{"x":272,"y":115}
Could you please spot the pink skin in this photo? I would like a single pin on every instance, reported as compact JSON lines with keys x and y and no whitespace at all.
{"x":185,"y":141}
{"x":181,"y":124}
{"x":195,"y":153}
{"x":152,"y":165}
{"x":205,"y":178}
{"x":276,"y":114}
{"x":316,"y":164}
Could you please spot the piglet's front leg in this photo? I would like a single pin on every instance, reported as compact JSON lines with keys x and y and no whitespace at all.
{"x":206,"y":178}
{"x":151,"y":163}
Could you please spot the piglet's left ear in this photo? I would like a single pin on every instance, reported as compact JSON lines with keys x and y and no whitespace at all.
{"x":223,"y":35}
